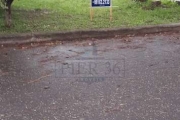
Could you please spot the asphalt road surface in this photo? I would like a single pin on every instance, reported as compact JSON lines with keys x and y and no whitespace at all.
{"x":130,"y":78}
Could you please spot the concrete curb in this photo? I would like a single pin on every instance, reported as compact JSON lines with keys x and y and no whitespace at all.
{"x":29,"y":38}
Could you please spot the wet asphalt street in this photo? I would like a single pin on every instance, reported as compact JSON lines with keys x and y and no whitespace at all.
{"x":130,"y":78}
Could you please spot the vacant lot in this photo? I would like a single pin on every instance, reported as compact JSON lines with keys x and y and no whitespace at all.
{"x":65,"y":15}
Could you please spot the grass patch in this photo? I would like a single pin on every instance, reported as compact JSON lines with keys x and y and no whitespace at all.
{"x":65,"y":15}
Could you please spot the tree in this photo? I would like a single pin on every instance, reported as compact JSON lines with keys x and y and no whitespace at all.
{"x":6,"y":5}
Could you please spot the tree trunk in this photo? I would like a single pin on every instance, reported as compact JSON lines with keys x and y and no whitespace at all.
{"x":8,"y":16}
{"x":8,"y":12}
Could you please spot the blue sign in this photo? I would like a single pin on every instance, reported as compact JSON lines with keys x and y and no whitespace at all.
{"x":100,"y":3}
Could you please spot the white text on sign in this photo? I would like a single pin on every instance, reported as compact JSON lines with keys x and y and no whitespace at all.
{"x":101,"y":2}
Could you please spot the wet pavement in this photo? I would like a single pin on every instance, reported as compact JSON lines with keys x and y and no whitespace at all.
{"x":130,"y":78}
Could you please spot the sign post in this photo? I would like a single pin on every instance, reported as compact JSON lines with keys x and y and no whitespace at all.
{"x":100,"y":4}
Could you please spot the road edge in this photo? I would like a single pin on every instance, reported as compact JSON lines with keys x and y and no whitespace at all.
{"x":28,"y":38}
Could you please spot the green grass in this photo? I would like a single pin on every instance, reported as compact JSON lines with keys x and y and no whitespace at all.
{"x":66,"y":15}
